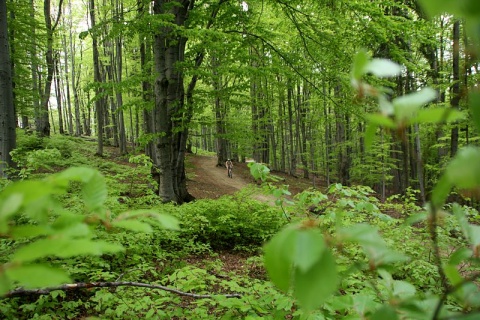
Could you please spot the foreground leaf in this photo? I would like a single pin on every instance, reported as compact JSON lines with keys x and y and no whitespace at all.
{"x":38,"y":275}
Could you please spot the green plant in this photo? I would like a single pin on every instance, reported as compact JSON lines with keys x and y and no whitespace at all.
{"x":304,"y":257}
{"x":41,"y":228}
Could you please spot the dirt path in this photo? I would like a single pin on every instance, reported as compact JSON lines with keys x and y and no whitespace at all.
{"x":206,"y":180}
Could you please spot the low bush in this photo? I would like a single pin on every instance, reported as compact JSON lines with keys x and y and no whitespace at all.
{"x":228,"y":223}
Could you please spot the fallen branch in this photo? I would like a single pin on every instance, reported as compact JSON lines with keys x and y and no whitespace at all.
{"x":81,"y":285}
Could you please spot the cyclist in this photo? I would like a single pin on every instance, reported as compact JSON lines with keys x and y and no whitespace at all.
{"x":229,"y":166}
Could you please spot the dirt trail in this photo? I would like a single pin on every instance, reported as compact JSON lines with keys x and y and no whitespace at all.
{"x":206,"y":180}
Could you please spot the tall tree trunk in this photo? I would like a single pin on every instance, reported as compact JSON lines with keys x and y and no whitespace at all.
{"x":170,"y":108}
{"x":122,"y":138}
{"x":58,"y":94}
{"x":42,"y":122}
{"x":293,"y":156}
{"x":221,"y":142}
{"x":97,"y":79}
{"x":170,"y":93}
{"x":7,"y":110}
{"x":67,"y":85}
{"x":455,"y":100}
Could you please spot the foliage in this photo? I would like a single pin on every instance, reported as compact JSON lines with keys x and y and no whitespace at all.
{"x":229,"y":222}
{"x":40,"y":227}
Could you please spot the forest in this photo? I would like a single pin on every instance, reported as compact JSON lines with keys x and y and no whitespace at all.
{"x":353,"y":127}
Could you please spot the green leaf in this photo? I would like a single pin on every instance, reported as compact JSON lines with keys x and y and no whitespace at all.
{"x":385,"y":312}
{"x":474,"y":101}
{"x":167,"y":221}
{"x":452,"y":274}
{"x":360,"y":62}
{"x":63,"y":248}
{"x":403,"y":289}
{"x":278,"y":257}
{"x":309,"y":248}
{"x":386,"y":107}
{"x":30,"y":231}
{"x":370,"y":134}
{"x":417,"y":217}
{"x":460,"y":255}
{"x":5,"y":284}
{"x":406,"y":106}
{"x":94,"y":192}
{"x":133,"y":225}
{"x":437,"y":115}
{"x":37,"y":275}
{"x":380,"y":120}
{"x":464,"y":170}
{"x":461,"y":8}
{"x":383,"y":68}
{"x":314,"y":286}
{"x":94,"y":189}
{"x":10,"y":205}
{"x":441,"y":191}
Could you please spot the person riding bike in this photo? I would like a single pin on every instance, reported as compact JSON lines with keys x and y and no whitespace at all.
{"x":229,"y":166}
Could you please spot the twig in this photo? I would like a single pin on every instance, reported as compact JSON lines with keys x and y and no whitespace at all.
{"x":82,"y":285}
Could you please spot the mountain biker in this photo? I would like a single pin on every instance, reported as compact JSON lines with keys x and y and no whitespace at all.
{"x":229,"y":166}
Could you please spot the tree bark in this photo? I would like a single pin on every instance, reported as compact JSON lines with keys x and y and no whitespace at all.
{"x":7,"y":110}
{"x":97,"y":79}
{"x":42,"y":122}
{"x":455,"y":100}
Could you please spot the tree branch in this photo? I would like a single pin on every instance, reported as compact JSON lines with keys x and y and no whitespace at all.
{"x":82,"y":285}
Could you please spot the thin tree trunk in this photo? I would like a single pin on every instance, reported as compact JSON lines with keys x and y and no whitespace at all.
{"x":455,"y":100}
{"x":42,"y":122}
{"x":7,"y":110}
{"x":97,"y":78}
{"x":58,"y":94}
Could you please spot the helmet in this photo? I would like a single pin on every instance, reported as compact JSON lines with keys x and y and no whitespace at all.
{"x":228,"y":159}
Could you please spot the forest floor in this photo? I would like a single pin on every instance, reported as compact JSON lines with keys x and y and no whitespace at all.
{"x":207,"y":181}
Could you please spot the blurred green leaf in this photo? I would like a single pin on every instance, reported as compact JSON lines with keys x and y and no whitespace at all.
{"x":308,"y":249}
{"x":441,"y":191}
{"x":370,"y":133}
{"x":167,"y":221}
{"x":380,"y":120}
{"x":383,"y":68}
{"x":460,"y":255}
{"x":408,"y":105}
{"x":360,"y":62}
{"x":5,"y":284}
{"x":385,"y":312}
{"x":278,"y":257}
{"x":403,"y":289}
{"x":314,"y":286}
{"x":10,"y":205}
{"x":133,"y":225}
{"x":437,"y":115}
{"x":474,"y":100}
{"x":63,"y":248}
{"x":464,"y":170}
{"x":30,"y":231}
{"x":461,"y":8}
{"x":38,"y":275}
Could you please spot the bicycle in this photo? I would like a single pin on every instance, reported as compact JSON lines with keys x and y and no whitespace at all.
{"x":230,"y":174}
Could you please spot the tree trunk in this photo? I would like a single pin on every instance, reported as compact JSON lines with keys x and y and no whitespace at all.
{"x":170,"y":101}
{"x":42,"y":122}
{"x":122,"y":138}
{"x":58,"y":94}
{"x":455,"y":100}
{"x":7,"y":111}
{"x":97,"y":79}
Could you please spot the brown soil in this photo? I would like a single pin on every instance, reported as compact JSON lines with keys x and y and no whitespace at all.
{"x":207,"y":181}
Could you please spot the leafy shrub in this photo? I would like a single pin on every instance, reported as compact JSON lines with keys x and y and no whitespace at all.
{"x":227,"y":223}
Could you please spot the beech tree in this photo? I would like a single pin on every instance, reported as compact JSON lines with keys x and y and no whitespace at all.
{"x":7,"y":112}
